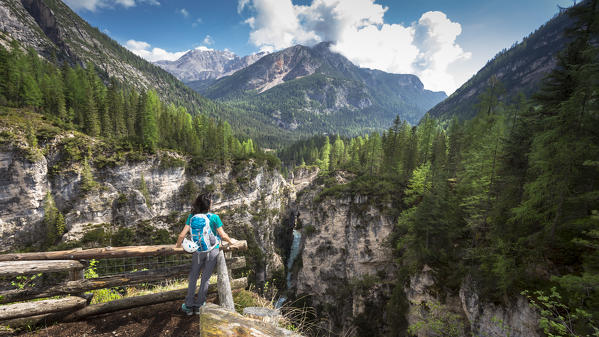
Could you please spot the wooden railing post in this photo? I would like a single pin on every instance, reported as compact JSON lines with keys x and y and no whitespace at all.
{"x":225,"y":296}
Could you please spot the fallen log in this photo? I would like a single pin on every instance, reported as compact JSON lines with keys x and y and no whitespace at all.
{"x":16,"y":268}
{"x":83,"y":285}
{"x":26,"y":309}
{"x":109,"y":252}
{"x":131,"y":302}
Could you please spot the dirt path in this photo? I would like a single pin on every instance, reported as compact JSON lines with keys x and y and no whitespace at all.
{"x":164,"y":319}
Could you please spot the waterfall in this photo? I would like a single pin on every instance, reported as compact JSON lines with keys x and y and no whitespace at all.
{"x":297,"y":237}
{"x":295,"y":245}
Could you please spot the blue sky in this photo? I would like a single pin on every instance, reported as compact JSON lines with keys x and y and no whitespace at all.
{"x":443,"y":42}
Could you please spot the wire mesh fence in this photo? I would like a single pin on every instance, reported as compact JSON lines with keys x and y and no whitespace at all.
{"x":122,"y":265}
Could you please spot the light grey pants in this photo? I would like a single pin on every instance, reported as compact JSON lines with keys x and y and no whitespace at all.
{"x":204,"y":262}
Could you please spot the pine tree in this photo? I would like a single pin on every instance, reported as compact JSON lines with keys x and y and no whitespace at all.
{"x":143,"y":188}
{"x":325,"y":155}
{"x":30,"y":94}
{"x":147,"y":120}
{"x":60,"y":225}
{"x":337,"y":154}
{"x":90,"y":116}
{"x":87,"y":178}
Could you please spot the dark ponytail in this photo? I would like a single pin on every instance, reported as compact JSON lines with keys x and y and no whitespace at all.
{"x":202,"y":204}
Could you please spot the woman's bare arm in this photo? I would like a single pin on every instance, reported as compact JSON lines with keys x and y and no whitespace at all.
{"x":182,"y":236}
{"x":224,"y":236}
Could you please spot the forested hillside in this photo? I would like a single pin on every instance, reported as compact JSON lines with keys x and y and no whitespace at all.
{"x":77,"y":98}
{"x":59,"y":35}
{"x":519,"y":69}
{"x":508,"y":199}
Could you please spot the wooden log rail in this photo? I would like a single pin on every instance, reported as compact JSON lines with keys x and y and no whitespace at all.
{"x":109,"y":252}
{"x":31,"y":263}
{"x":40,"y":307}
{"x":83,"y":285}
{"x":16,"y":268}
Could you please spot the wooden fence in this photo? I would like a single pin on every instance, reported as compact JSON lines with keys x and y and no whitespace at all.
{"x":73,"y":304}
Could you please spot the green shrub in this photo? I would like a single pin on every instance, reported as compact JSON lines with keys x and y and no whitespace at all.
{"x":143,"y":188}
{"x":189,"y":191}
{"x":96,"y":236}
{"x":244,"y":299}
{"x":123,"y":237}
{"x":168,"y":162}
{"x":161,"y":237}
{"x":309,"y":230}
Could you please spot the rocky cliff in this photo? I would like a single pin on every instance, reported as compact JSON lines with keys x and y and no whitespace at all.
{"x":467,"y":311}
{"x":345,"y":266}
{"x":348,"y":271}
{"x":145,"y":196}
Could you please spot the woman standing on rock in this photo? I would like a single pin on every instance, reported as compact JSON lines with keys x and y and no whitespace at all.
{"x":207,"y":232}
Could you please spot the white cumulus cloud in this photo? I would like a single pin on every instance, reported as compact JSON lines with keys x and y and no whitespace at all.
{"x":197,"y":22}
{"x":183,"y":12}
{"x":93,"y":5}
{"x":358,"y":31}
{"x":208,"y":40}
{"x":144,"y":50}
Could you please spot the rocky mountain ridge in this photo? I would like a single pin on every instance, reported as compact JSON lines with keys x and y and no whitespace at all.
{"x":516,"y":70}
{"x":59,"y":35}
{"x":203,"y":64}
{"x":315,"y":89}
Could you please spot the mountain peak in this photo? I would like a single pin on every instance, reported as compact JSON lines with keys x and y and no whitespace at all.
{"x":203,"y":63}
{"x":299,"y":81}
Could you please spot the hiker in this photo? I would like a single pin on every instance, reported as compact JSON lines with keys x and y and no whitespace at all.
{"x":208,"y":239}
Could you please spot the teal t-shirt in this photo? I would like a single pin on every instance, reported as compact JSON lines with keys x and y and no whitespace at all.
{"x":215,"y":223}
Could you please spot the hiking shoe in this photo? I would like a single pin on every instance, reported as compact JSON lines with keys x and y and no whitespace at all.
{"x":196,"y":310}
{"x":186,"y":310}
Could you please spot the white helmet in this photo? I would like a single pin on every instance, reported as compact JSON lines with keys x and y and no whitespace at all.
{"x":189,"y":246}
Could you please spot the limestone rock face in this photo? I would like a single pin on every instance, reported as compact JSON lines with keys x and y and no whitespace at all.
{"x":17,"y":22}
{"x":218,"y":322}
{"x":517,"y":319}
{"x":481,"y":317}
{"x":23,"y":185}
{"x":345,"y":263}
{"x":250,"y":198}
